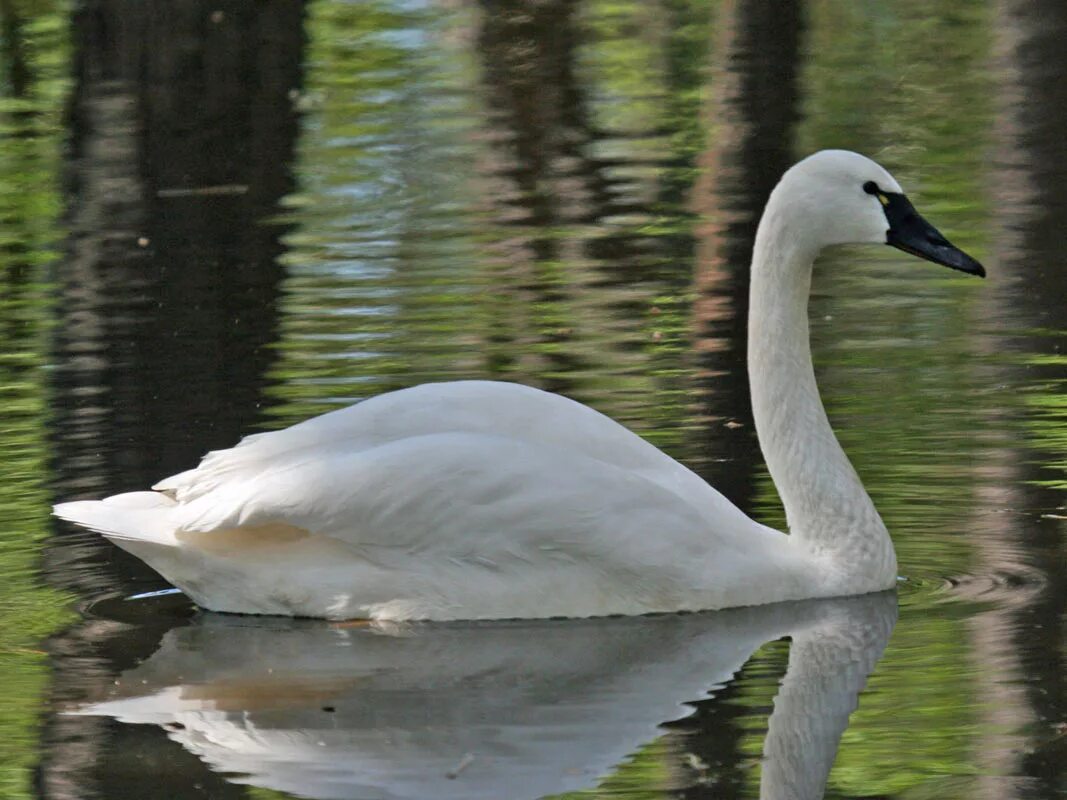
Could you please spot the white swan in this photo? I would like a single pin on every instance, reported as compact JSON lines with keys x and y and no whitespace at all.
{"x":477,"y":499}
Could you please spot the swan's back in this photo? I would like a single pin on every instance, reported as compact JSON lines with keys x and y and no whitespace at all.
{"x":494,"y":408}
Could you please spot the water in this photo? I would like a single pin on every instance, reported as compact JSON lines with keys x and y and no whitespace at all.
{"x":223,"y":218}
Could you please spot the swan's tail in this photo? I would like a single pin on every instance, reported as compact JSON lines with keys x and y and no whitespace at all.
{"x":133,"y":517}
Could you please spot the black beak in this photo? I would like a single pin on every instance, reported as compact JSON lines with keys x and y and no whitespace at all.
{"x":911,"y":233}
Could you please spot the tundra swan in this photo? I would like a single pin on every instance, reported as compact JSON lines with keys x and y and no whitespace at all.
{"x":481,"y":499}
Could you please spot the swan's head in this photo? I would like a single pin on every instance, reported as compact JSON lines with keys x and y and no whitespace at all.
{"x":848,"y":199}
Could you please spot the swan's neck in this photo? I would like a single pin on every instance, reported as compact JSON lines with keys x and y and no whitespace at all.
{"x":826,"y":506}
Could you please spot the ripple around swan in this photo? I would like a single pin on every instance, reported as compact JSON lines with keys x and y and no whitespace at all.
{"x":1008,"y":585}
{"x":162,"y":607}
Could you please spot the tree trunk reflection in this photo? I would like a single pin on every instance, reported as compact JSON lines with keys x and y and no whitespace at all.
{"x":182,"y":129}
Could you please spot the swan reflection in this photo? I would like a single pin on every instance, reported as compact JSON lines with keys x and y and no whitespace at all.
{"x":490,"y":710}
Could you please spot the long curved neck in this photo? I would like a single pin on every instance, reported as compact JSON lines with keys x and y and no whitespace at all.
{"x":826,"y":506}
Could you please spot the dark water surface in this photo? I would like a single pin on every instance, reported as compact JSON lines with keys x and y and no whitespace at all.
{"x":220,"y":218}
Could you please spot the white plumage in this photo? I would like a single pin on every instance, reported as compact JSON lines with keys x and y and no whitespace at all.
{"x":480,"y":499}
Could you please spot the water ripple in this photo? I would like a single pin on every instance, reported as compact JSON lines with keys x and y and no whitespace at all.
{"x":1013,"y":584}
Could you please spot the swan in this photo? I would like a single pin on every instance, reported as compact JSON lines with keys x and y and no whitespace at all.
{"x":483,"y":500}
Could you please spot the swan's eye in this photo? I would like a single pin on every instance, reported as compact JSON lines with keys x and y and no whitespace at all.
{"x":870,"y":187}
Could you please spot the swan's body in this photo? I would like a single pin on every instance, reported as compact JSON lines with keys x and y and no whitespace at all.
{"x":453,"y":500}
{"x":491,"y":500}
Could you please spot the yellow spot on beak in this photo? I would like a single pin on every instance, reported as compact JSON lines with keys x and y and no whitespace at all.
{"x":884,"y":200}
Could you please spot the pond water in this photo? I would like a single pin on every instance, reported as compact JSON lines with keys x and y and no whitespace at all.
{"x":221,"y":218}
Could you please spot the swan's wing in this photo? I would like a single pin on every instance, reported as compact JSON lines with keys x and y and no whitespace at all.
{"x":479,"y":523}
{"x":483,"y":407}
{"x":445,"y":491}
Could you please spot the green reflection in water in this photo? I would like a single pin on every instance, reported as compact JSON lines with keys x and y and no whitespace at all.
{"x":643,"y":776}
{"x":379,"y":258}
{"x":919,"y":714}
{"x":893,"y":335}
{"x":1046,"y":420}
{"x":894,"y":349}
{"x":427,"y":248}
{"x":35,"y":61}
{"x":435,"y":241}
{"x":259,"y":793}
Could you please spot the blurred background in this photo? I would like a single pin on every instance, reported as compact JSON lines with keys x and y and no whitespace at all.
{"x":218,"y":218}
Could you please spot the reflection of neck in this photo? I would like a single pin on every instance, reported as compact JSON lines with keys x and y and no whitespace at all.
{"x":828,"y":666}
{"x":827,"y":508}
